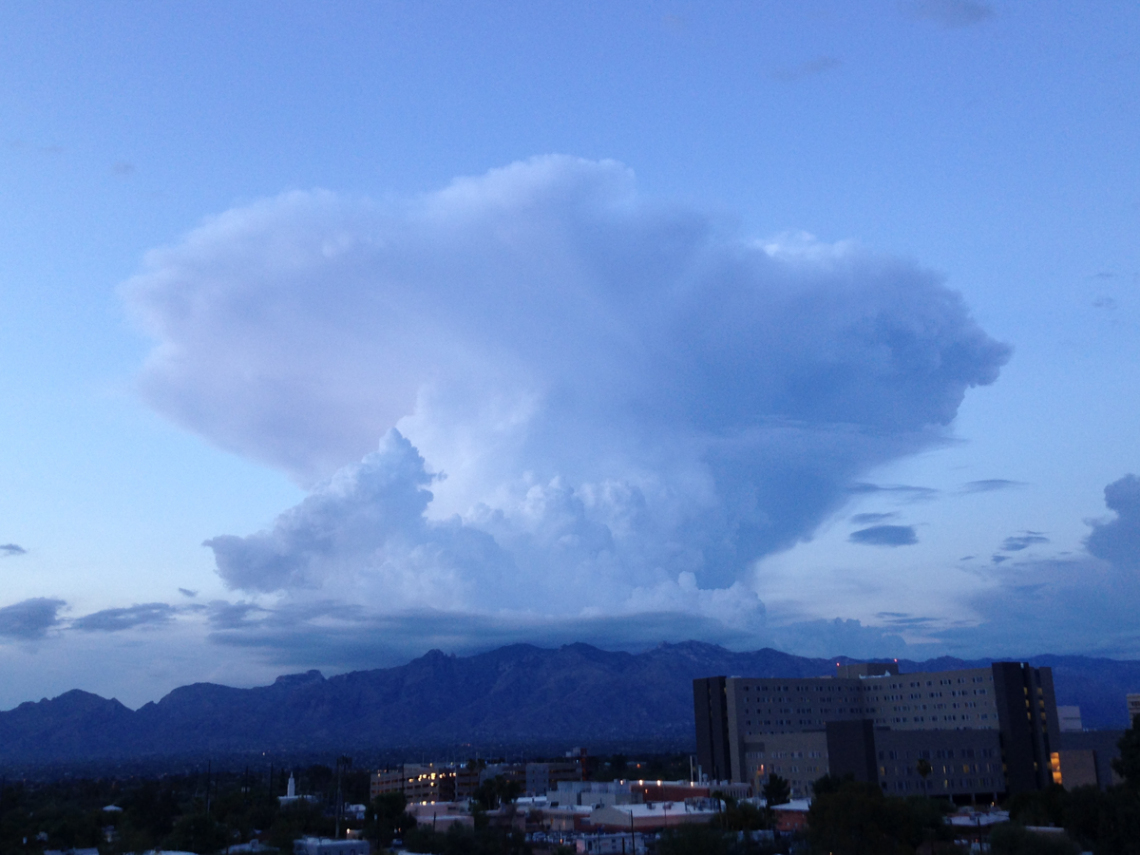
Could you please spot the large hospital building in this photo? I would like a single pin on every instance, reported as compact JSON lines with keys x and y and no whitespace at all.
{"x":982,"y":731}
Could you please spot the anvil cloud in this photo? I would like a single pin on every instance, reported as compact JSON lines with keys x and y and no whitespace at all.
{"x":588,"y":402}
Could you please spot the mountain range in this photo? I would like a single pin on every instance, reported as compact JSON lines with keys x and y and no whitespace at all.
{"x":513,"y":695}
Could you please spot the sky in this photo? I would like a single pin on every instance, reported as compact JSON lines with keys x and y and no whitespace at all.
{"x":335,"y":333}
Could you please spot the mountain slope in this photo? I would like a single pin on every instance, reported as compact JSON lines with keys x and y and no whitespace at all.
{"x":517,"y":694}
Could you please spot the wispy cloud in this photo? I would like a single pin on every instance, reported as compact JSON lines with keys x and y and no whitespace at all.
{"x":8,"y":550}
{"x":1018,"y":542}
{"x":885,"y":535}
{"x":905,"y":620}
{"x":186,"y":592}
{"x":951,"y":13}
{"x":990,"y":485}
{"x":906,"y":492}
{"x":30,"y":619}
{"x":870,"y":518}
{"x":116,"y":620}
{"x":810,"y":68}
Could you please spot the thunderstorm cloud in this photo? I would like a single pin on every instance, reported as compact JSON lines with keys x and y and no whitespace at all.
{"x":587,"y":403}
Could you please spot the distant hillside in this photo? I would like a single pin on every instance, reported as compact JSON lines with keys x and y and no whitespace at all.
{"x":513,"y":695}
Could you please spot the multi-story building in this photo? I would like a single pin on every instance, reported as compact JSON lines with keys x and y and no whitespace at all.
{"x":543,"y":777}
{"x":419,"y":783}
{"x":1005,"y":718}
{"x":1133,"y":700}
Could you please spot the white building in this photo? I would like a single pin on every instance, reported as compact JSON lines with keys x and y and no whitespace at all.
{"x":325,"y":846}
{"x":1069,"y":719}
{"x":653,"y":816}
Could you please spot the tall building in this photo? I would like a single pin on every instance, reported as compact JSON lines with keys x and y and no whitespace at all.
{"x":877,"y":724}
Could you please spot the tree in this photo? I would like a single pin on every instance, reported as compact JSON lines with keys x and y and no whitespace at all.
{"x":831,"y":783}
{"x":741,"y":816}
{"x":1082,"y":810}
{"x":387,"y":818}
{"x":857,"y":819}
{"x":1118,"y":829}
{"x":1012,"y":839}
{"x":197,"y":832}
{"x":300,"y":819}
{"x":496,"y":791}
{"x":923,"y":768}
{"x":694,"y":839}
{"x":1039,"y":807}
{"x":1127,"y":765}
{"x":777,"y":790}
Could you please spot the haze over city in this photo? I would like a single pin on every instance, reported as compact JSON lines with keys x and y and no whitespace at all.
{"x":338,"y":333}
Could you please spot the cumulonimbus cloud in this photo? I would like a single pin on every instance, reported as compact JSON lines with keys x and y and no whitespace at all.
{"x":595,"y":395}
{"x":1118,"y":541}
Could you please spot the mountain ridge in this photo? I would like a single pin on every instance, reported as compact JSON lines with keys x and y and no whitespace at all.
{"x":511,"y":695}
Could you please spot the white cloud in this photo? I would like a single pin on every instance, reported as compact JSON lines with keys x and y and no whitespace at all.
{"x":624,"y":407}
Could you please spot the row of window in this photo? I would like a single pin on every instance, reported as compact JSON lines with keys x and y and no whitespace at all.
{"x":919,"y":719}
{"x":939,"y":754}
{"x":942,"y":681}
{"x":967,"y":784}
{"x":942,"y":706}
{"x":809,"y":710}
{"x":914,"y":696}
{"x":788,"y":755}
{"x":945,"y":769}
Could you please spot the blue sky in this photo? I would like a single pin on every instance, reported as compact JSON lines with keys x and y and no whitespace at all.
{"x":447,"y":325}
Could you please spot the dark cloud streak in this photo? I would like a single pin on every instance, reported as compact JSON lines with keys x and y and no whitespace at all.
{"x":951,"y":13}
{"x":30,"y":619}
{"x":885,"y":535}
{"x":869,"y":518}
{"x":1018,"y":542}
{"x":117,"y":620}
{"x":990,"y":485}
